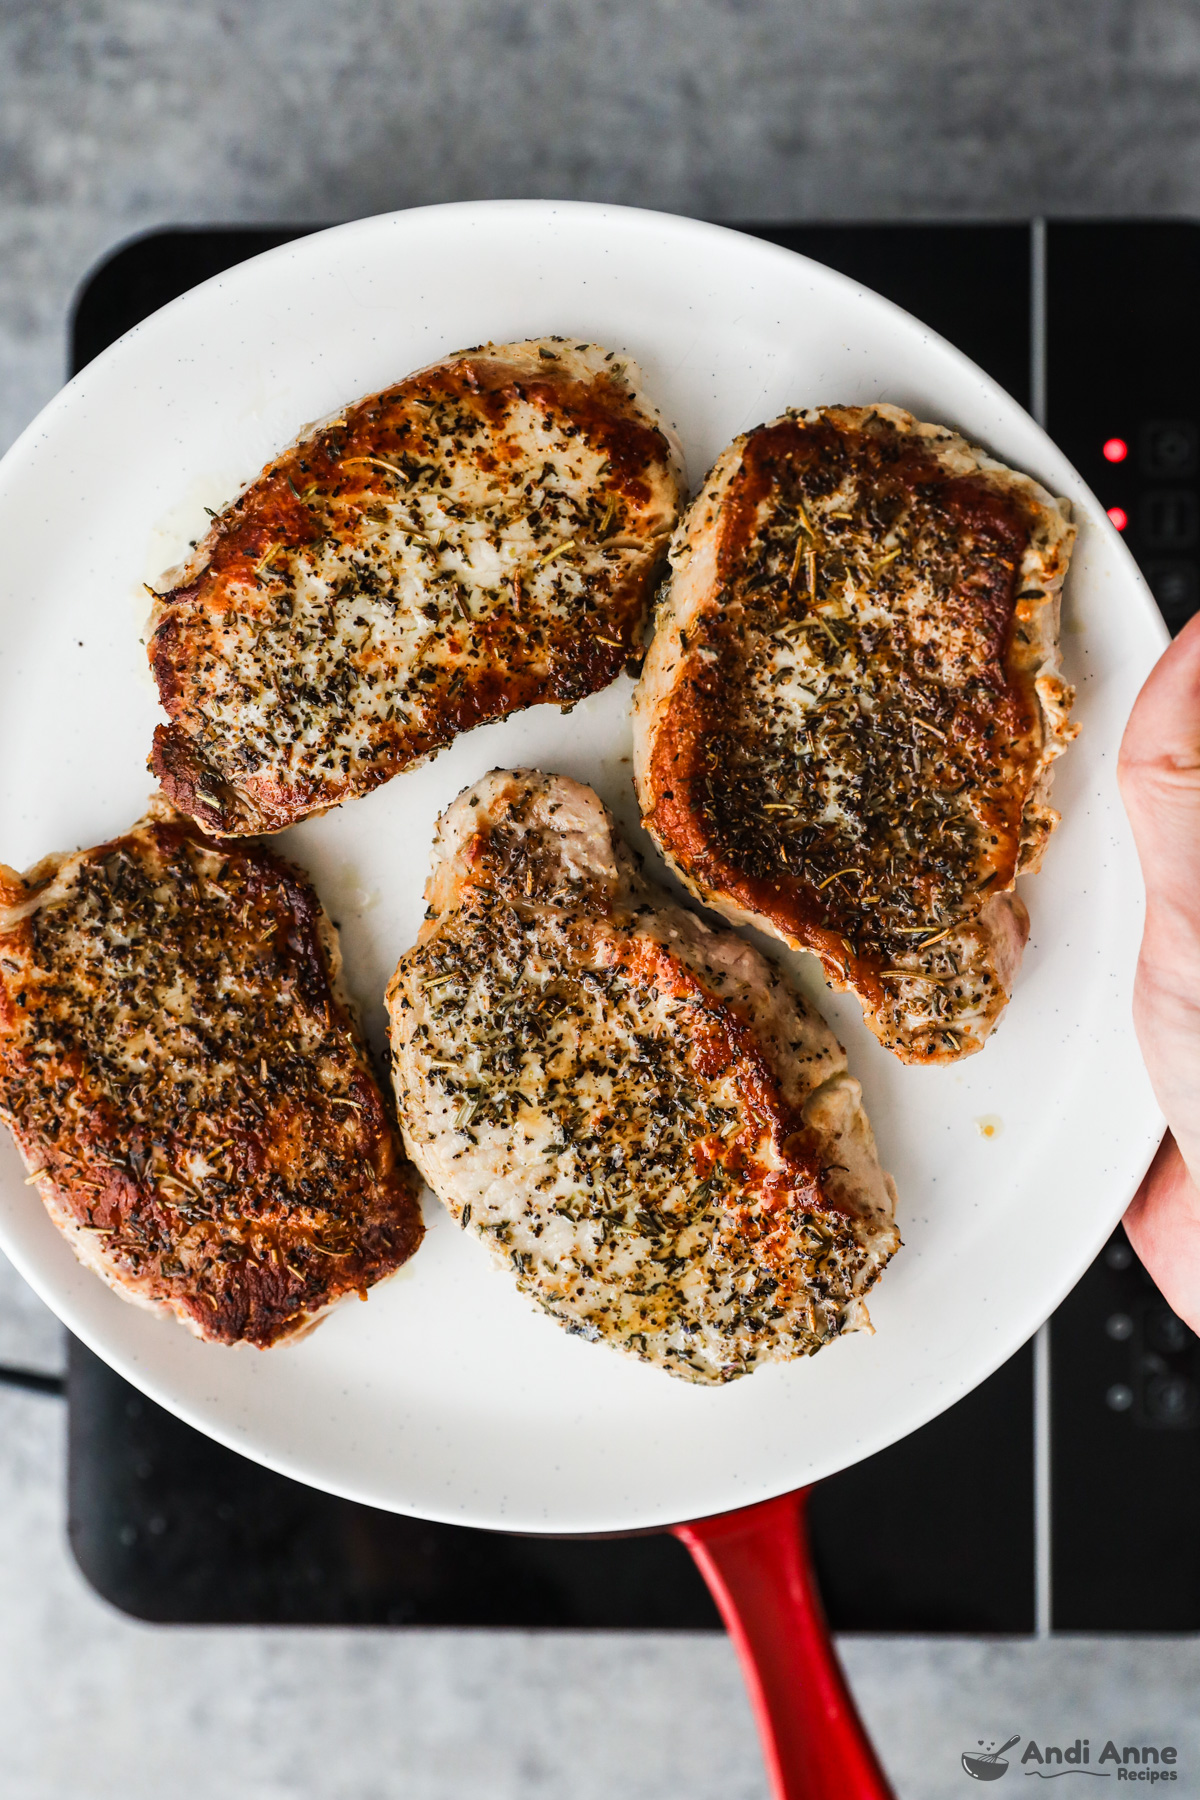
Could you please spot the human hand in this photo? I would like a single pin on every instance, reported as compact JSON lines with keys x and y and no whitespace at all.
{"x":1159,"y":773}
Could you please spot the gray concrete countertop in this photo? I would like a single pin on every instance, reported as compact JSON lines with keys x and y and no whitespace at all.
{"x":117,"y":116}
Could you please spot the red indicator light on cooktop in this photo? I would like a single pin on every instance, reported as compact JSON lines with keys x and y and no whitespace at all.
{"x":1119,"y":517}
{"x":1115,"y":450}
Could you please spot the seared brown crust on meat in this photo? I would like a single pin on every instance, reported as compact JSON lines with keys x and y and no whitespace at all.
{"x":846,"y":720}
{"x":654,"y":1134}
{"x":188,"y":1089}
{"x":481,"y":538}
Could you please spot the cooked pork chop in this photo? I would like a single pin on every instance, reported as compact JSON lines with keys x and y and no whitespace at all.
{"x":653,"y":1133}
{"x":480,"y":538}
{"x":846,"y":721}
{"x":187,"y":1088}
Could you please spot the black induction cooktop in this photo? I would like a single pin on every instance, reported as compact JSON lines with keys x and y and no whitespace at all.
{"x":1062,"y":1493}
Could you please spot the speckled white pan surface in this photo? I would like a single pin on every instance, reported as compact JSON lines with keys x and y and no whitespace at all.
{"x":446,"y":1394}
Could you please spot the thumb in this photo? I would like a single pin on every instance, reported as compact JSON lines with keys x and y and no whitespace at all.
{"x":1159,"y":771}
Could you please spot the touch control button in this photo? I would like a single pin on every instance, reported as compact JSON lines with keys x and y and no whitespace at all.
{"x":1170,"y":449}
{"x":1170,"y":520}
{"x":1176,"y":587}
{"x":1165,"y":1332}
{"x":1172,"y":1400}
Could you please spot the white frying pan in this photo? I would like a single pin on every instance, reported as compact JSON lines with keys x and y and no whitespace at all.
{"x":446,"y":1395}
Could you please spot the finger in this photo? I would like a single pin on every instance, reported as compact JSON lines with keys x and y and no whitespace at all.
{"x":1163,"y":1225}
{"x":1164,"y":725}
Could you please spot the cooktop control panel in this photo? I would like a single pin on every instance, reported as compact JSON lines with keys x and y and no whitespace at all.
{"x":1123,"y":388}
{"x":1095,"y":321}
{"x":1126,"y":1454}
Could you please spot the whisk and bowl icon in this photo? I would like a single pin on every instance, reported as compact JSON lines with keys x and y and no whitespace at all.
{"x":988,"y":1765}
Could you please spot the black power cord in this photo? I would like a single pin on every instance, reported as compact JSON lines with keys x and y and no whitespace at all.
{"x":32,"y":1381}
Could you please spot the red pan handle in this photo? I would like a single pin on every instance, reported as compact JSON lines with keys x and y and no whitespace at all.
{"x":759,"y":1571}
